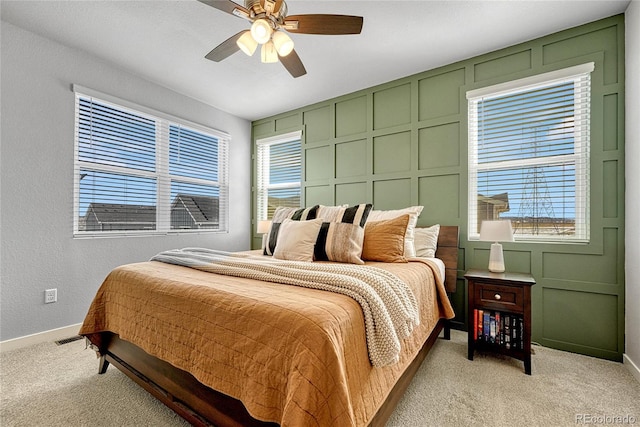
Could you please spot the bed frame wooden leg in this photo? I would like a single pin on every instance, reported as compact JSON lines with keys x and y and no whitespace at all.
{"x":103,"y":365}
{"x":447,"y":330}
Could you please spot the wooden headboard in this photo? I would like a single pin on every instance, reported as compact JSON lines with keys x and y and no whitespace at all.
{"x":447,"y":251}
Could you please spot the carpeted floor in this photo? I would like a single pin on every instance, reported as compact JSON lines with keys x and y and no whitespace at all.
{"x":50,"y":385}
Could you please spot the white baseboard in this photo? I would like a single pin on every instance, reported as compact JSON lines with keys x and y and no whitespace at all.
{"x":40,"y":337}
{"x":632,"y":367}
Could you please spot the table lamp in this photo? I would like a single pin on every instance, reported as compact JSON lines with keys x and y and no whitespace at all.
{"x":263,"y":228}
{"x":496,"y":231}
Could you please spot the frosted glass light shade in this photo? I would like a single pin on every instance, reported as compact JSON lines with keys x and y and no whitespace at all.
{"x":263,"y":226}
{"x":247,"y":43}
{"x":268,"y":53}
{"x":283,"y":43}
{"x":261,"y":31}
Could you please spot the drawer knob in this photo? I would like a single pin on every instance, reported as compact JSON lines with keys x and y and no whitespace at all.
{"x":497,"y":297}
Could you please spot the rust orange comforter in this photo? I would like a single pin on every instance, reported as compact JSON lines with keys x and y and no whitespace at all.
{"x":292,"y":355}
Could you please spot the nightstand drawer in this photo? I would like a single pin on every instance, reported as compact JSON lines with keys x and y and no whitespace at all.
{"x":497,"y":297}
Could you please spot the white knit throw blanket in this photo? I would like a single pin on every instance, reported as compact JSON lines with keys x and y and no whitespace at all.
{"x":388,"y":304}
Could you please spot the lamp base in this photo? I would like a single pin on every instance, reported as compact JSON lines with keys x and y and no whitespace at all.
{"x":496,"y":259}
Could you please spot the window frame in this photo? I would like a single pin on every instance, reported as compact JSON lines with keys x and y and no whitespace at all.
{"x":580,"y":156}
{"x":161,"y":173}
{"x":262,"y":168}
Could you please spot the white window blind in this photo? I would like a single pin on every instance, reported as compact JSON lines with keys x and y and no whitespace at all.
{"x":139,"y":171}
{"x":529,"y":155}
{"x":279,"y":173}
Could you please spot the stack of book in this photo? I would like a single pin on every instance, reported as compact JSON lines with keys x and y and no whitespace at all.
{"x":498,"y":328}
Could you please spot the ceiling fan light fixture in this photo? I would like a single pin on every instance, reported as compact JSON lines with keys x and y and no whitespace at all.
{"x":261,"y":31}
{"x":282,"y":42}
{"x":268,"y":53}
{"x":270,"y":25}
{"x":246,"y":43}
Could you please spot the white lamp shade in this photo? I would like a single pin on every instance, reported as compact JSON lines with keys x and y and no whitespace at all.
{"x":246,"y":43}
{"x":496,"y":231}
{"x":263,"y":226}
{"x":283,"y":43}
{"x":268,"y":53}
{"x":261,"y":31}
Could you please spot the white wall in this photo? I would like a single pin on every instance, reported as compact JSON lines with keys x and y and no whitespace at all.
{"x":632,"y":177}
{"x":37,"y":250}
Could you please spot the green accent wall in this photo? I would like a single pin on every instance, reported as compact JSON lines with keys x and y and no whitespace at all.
{"x":404,"y":143}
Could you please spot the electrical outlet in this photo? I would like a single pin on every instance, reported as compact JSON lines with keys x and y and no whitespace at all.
{"x":50,"y":295}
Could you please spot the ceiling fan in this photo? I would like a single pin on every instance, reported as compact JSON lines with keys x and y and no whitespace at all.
{"x":268,"y":20}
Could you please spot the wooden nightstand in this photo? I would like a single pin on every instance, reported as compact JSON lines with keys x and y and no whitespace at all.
{"x":504,"y":301}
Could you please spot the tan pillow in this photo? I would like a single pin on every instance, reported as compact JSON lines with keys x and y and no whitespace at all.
{"x":413,"y":212}
{"x":384,"y":240}
{"x":297,"y":239}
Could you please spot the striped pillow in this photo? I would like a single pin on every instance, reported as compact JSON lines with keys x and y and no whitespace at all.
{"x":341,"y":240}
{"x":282,"y":213}
{"x":357,"y":214}
{"x":297,"y":240}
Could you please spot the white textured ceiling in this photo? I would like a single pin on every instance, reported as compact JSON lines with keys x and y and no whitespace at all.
{"x":166,"y":41}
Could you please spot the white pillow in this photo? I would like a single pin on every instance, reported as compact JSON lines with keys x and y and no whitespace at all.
{"x":426,"y":241}
{"x":414,"y":212}
{"x":297,"y":239}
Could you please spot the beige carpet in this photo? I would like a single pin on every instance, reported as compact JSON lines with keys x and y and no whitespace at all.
{"x":49,"y":385}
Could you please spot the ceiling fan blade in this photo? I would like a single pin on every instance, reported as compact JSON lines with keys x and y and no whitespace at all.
{"x":225,"y":49}
{"x":229,"y":7}
{"x":293,"y":64}
{"x":324,"y":24}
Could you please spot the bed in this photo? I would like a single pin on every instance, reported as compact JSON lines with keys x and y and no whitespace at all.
{"x":237,"y":351}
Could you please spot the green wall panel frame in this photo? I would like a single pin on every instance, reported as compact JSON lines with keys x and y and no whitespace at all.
{"x":350,"y":193}
{"x":286,"y":122}
{"x":392,"y":193}
{"x":576,"y":319}
{"x":392,"y":106}
{"x":392,"y":153}
{"x":440,"y":196}
{"x":318,"y":163}
{"x":438,"y":95}
{"x":351,"y":116}
{"x":404,"y":143}
{"x":318,"y":124}
{"x":351,"y":158}
{"x":439,"y":146}
{"x":512,"y":63}
{"x":318,"y":195}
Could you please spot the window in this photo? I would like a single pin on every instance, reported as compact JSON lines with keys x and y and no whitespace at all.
{"x":279,"y":168}
{"x":529,"y":155}
{"x":138,"y":171}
